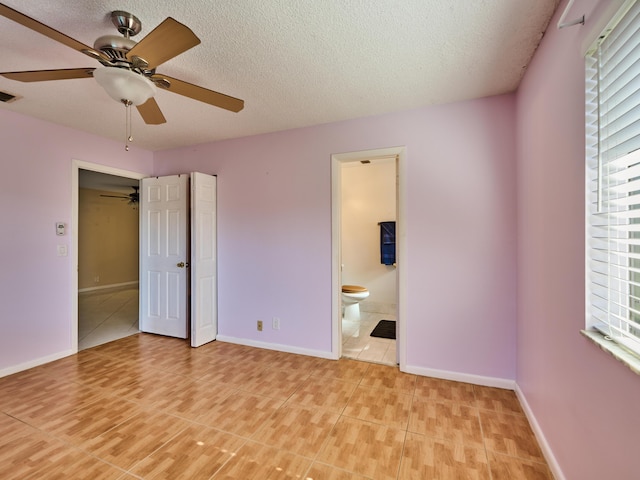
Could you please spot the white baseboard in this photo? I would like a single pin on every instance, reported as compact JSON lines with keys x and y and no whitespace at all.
{"x":378,"y":307}
{"x":542,"y":441}
{"x":35,"y":363}
{"x":106,"y":287}
{"x":462,"y":377}
{"x":276,"y":346}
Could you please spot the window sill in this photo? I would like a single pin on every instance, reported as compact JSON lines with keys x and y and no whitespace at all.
{"x":614,"y":349}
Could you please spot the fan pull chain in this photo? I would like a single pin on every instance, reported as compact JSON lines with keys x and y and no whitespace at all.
{"x":128,"y":134}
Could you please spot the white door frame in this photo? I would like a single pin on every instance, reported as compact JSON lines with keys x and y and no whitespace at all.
{"x":76,"y":166}
{"x":401,"y":242}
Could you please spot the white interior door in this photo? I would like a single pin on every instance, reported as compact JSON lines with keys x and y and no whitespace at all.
{"x":164,"y":255}
{"x":204,"y":311}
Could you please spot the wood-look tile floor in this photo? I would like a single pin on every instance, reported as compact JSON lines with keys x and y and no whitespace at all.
{"x":152,"y":407}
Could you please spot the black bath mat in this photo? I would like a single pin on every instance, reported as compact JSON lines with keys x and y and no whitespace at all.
{"x":385,"y":329}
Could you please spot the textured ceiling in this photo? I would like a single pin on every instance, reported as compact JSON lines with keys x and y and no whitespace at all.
{"x":295,"y":63}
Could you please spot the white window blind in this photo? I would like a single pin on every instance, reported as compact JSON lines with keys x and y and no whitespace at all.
{"x":613,"y":181}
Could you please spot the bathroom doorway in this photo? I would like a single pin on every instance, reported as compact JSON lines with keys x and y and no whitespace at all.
{"x":367,"y":197}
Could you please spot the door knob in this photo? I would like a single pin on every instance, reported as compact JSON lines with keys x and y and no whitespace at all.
{"x":182,"y":265}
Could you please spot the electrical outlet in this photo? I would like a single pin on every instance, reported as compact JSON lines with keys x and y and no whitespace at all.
{"x":275,"y":323}
{"x":259,"y":325}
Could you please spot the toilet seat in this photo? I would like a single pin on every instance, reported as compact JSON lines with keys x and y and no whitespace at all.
{"x":353,"y":289}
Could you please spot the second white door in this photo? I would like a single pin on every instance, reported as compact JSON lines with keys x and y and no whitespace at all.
{"x":204,"y":309}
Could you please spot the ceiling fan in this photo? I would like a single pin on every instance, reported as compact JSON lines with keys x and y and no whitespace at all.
{"x":128,"y":71}
{"x":133,"y":198}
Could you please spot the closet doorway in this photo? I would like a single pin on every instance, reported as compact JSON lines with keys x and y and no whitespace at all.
{"x":105,"y":300}
{"x":108,"y":239}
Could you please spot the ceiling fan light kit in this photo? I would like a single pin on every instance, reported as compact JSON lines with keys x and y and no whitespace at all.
{"x":128,"y":72}
{"x":124,"y":85}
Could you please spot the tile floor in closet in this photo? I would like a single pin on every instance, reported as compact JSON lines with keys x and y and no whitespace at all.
{"x":106,"y":315}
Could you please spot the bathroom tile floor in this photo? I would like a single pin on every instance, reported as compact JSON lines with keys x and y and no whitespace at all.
{"x":151,"y":407}
{"x":107,"y":315}
{"x":357,"y":342}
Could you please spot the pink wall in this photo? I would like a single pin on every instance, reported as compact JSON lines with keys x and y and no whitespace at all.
{"x":566,"y":380}
{"x":35,"y":192}
{"x":274,"y":231}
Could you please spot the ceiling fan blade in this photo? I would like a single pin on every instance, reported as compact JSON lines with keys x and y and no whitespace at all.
{"x":150,"y":112}
{"x":114,"y":196}
{"x":33,"y":24}
{"x":167,"y":40}
{"x":44,"y":75}
{"x":199,"y":93}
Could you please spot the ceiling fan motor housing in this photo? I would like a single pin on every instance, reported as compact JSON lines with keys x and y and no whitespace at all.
{"x":115,"y":47}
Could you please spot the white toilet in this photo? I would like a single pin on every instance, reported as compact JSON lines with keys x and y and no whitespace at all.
{"x":352,"y":295}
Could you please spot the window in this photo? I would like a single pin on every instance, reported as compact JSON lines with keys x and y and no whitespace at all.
{"x":613,"y":180}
